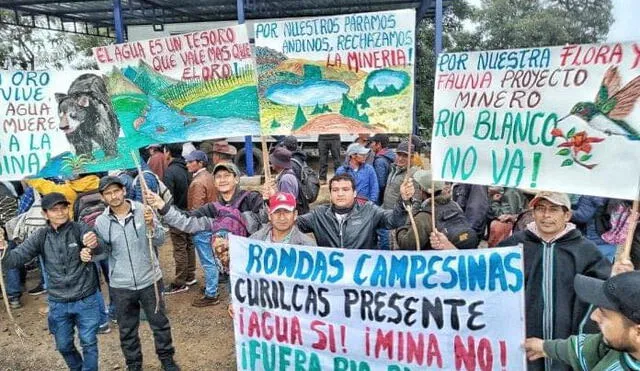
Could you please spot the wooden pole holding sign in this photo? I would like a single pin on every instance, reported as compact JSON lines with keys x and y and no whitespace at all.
{"x":409,"y":206}
{"x":145,"y":188}
{"x":265,"y":160}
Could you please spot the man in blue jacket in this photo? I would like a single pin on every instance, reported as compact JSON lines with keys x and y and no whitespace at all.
{"x":365,"y":176}
{"x":72,"y":284}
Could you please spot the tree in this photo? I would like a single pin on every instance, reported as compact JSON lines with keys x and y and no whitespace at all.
{"x":534,"y":23}
{"x":350,"y":109}
{"x":30,"y":48}
{"x":299,"y":120}
{"x":275,"y":124}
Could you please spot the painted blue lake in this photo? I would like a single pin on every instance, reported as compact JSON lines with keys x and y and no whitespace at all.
{"x":309,"y":93}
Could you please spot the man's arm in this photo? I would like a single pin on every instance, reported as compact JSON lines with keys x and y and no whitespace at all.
{"x":374,"y":190}
{"x":185,"y":223}
{"x":581,"y":352}
{"x":24,"y":252}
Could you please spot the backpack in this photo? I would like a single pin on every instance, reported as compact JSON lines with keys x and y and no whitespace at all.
{"x":620,"y":224}
{"x":309,"y":181}
{"x":87,"y":207}
{"x":302,"y":205}
{"x":229,"y":220}
{"x":451,"y":221}
{"x":163,"y":191}
{"x":23,"y":225}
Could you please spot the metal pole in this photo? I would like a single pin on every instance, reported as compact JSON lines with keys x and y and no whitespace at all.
{"x":438,"y":27}
{"x":117,"y":21}
{"x":248,"y":143}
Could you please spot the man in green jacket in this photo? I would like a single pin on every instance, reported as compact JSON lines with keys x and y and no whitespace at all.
{"x":617,"y":313}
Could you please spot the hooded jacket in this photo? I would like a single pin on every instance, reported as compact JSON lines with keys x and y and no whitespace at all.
{"x":553,"y":309}
{"x":176,"y":178}
{"x":297,"y":237}
{"x":358,"y":228}
{"x":69,"y":278}
{"x":127,"y":248}
{"x":394,"y":181}
{"x":382,"y":165}
{"x":70,"y":188}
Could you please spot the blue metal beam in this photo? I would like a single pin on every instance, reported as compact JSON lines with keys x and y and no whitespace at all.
{"x":248,"y":143}
{"x":117,"y":21}
{"x":439,"y":17}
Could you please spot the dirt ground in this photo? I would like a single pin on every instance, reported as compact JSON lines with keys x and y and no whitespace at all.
{"x":203,"y":337}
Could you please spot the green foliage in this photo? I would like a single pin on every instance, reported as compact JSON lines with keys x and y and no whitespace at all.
{"x":317,"y":110}
{"x":350,"y":109}
{"x":275,"y":124}
{"x":300,"y":119}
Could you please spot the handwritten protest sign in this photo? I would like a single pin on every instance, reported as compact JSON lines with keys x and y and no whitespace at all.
{"x":339,"y":74}
{"x":560,"y":118}
{"x":194,"y":86}
{"x":57,"y":123}
{"x":308,"y":308}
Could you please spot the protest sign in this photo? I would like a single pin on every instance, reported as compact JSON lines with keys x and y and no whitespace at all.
{"x":340,"y":74}
{"x":307,"y":308}
{"x":194,"y":86}
{"x":558,"y":118}
{"x":57,"y":123}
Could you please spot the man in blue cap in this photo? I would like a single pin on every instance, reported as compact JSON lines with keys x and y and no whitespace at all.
{"x":72,"y":284}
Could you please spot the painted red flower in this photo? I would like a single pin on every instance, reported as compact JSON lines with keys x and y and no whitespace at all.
{"x":580,"y":142}
{"x":556,"y":132}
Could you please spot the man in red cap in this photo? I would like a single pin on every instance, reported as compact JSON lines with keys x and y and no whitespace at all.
{"x":554,"y":252}
{"x":282,"y":222}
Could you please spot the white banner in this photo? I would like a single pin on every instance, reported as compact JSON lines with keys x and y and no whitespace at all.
{"x":559,"y":118}
{"x":305,"y":308}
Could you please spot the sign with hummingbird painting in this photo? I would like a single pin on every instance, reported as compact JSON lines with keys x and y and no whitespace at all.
{"x":563,"y":119}
{"x":339,"y":74}
{"x":58,"y":123}
{"x":187,"y":87}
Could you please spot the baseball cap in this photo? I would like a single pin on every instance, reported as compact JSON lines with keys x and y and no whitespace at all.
{"x":290,"y":142}
{"x":106,"y":181}
{"x":52,"y":199}
{"x":380,"y":138}
{"x":282,"y":200}
{"x":423,"y":178}
{"x":228,"y":166}
{"x":154,"y":145}
{"x":222,"y":146}
{"x":556,"y":198}
{"x":196,"y":156}
{"x":357,"y":149}
{"x":403,"y":147}
{"x":620,"y":293}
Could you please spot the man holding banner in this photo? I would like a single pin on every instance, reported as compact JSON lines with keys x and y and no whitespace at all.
{"x":350,"y":225}
{"x":554,"y":252}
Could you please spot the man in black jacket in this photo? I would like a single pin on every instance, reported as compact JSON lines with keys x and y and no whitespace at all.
{"x":349,"y":224}
{"x":554,"y":252}
{"x":73,"y":285}
{"x":176,"y":178}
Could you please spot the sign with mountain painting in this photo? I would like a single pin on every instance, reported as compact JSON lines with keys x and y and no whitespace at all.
{"x":562,"y":118}
{"x":58,"y":123}
{"x":188,"y":87}
{"x":339,"y":74}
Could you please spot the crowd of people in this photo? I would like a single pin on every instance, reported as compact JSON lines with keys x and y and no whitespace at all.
{"x":113,"y":224}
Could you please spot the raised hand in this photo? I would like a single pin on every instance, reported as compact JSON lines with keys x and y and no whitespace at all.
{"x":407,"y":189}
{"x":154,"y":200}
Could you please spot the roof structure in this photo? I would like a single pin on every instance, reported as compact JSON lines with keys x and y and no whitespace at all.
{"x":96,"y":17}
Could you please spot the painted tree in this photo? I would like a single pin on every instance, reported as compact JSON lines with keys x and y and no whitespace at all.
{"x":300,"y":119}
{"x":275,"y":124}
{"x":350,"y":109}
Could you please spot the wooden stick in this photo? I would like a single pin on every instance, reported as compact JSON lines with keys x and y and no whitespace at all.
{"x":433,"y":205}
{"x":265,"y":159}
{"x":626,"y":249}
{"x":409,"y":207}
{"x":21,"y":334}
{"x":145,"y":188}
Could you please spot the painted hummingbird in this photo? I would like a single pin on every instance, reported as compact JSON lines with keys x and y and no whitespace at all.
{"x":611,"y":107}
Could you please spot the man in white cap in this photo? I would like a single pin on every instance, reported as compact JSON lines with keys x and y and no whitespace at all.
{"x":554,"y":252}
{"x":363,"y":173}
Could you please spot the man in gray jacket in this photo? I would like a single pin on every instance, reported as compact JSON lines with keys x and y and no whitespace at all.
{"x":124,"y":226}
{"x":348,"y":224}
{"x":282,"y":222}
{"x":72,"y":285}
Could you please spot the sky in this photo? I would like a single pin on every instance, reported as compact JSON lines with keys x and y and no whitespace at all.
{"x":625,"y":24}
